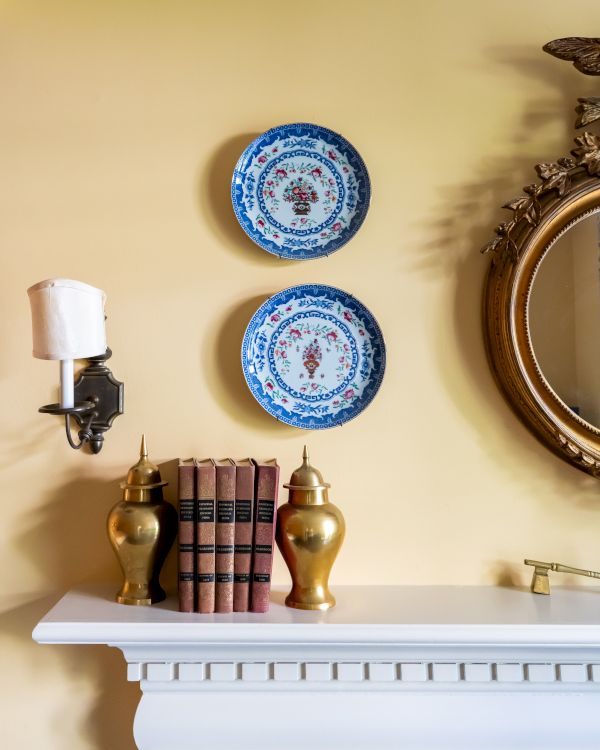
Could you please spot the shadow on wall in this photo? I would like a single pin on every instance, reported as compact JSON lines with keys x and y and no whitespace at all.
{"x":168,"y":473}
{"x":567,"y":82}
{"x":465,"y":218}
{"x":221,"y":363}
{"x":110,"y":723}
{"x":66,"y":541}
{"x":214,"y":203}
{"x":19,"y":444}
{"x":507,"y":575}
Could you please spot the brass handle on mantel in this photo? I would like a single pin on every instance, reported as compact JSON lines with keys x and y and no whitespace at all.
{"x":540,"y":583}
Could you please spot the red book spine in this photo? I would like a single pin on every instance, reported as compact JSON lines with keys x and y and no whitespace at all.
{"x":242,"y":554}
{"x":186,"y":489}
{"x":224,"y":535}
{"x":267,"y":490}
{"x":205,"y":536}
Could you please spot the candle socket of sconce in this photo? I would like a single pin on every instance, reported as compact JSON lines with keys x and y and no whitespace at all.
{"x":141,"y":528}
{"x":310,"y":532}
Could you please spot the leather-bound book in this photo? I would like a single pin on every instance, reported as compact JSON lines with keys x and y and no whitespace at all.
{"x":267,"y":491}
{"x":224,"y":535}
{"x":205,"y":535}
{"x":186,"y":502}
{"x":242,"y":553}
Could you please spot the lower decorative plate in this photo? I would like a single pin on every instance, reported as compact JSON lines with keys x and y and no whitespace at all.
{"x":300,"y":191}
{"x":313,"y":356}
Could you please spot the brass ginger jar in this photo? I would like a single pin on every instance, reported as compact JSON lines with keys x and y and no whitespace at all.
{"x":141,"y":529}
{"x":310,"y":532}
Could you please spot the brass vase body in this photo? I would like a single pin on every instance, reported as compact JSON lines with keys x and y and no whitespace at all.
{"x":141,"y":529}
{"x":310,"y":532}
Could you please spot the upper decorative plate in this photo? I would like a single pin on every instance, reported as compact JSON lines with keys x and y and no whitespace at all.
{"x":300,"y":191}
{"x":313,"y":356}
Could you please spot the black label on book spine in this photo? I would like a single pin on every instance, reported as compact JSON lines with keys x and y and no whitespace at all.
{"x":243,"y":511}
{"x":243,"y":549}
{"x":186,"y":547}
{"x":265,"y":511}
{"x":206,"y":511}
{"x":224,"y":577}
{"x":186,"y":510}
{"x":263,"y":549}
{"x":206,"y":577}
{"x":206,"y":549}
{"x":241,"y":578}
{"x":225,"y":511}
{"x":224,"y":549}
{"x":262,"y":578}
{"x":186,"y":576}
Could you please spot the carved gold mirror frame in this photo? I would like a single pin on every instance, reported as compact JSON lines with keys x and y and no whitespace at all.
{"x":568,"y":190}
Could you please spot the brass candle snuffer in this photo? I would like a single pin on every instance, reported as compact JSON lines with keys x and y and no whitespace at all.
{"x":141,"y":528}
{"x":310,"y":532}
{"x":540,"y":583}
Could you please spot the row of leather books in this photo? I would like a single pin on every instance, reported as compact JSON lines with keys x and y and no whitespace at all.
{"x":227,"y":512}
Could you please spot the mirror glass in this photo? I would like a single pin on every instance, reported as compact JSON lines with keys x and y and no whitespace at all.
{"x":564,"y":318}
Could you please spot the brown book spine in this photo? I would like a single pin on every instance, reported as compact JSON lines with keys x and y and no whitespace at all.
{"x":224,"y":535}
{"x":242,"y":553}
{"x":205,"y":535}
{"x":186,"y":489}
{"x":267,"y":491}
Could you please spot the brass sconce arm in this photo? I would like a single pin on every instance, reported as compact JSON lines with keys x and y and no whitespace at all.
{"x":540,"y":583}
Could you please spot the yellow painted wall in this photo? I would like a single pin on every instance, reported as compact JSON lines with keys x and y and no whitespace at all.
{"x":120,"y":123}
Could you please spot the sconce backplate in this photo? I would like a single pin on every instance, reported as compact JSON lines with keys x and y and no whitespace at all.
{"x":97,"y":383}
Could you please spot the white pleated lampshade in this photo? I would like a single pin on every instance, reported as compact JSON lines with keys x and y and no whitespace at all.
{"x":67,"y":319}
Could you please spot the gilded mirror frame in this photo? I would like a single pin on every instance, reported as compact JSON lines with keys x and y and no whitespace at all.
{"x":569,"y":190}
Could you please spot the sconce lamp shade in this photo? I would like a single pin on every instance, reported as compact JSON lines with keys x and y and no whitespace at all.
{"x":67,"y":319}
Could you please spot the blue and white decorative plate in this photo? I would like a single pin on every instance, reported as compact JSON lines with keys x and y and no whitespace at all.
{"x":300,"y":191}
{"x":313,"y":356}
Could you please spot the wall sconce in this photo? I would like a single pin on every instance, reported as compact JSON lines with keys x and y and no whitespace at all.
{"x":67,"y":319}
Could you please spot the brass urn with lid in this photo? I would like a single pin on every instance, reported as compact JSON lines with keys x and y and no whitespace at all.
{"x":142,"y":528}
{"x":310,"y":532}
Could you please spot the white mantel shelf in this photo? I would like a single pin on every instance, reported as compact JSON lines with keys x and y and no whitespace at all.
{"x":389,"y":667}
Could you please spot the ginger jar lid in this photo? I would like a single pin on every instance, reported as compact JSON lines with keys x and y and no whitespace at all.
{"x":143,"y":478}
{"x":306,"y":483}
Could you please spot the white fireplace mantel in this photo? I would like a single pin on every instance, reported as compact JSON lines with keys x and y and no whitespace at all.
{"x":390,"y":667}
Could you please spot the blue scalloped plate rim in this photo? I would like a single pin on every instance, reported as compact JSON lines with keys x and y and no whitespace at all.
{"x":379,"y":358}
{"x":301,"y":129}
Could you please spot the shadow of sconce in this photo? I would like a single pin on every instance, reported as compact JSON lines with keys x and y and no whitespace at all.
{"x":20,"y":444}
{"x":66,"y":541}
{"x":109,"y":723}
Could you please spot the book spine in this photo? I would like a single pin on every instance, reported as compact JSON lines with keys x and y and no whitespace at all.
{"x":267,"y":485}
{"x":242,"y":555}
{"x":205,"y":535}
{"x":224,"y":538}
{"x":186,"y":488}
